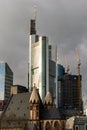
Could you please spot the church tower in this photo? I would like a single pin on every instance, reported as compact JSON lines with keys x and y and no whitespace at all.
{"x":48,"y":101}
{"x":35,"y":107}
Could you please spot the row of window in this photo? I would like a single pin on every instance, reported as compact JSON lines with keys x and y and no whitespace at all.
{"x":78,"y":127}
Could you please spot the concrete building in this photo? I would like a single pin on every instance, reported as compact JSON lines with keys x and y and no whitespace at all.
{"x":15,"y":89}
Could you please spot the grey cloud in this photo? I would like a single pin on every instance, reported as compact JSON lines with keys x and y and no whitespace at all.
{"x":63,"y":21}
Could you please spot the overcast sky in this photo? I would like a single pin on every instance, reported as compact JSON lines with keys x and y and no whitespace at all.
{"x":63,"y":21}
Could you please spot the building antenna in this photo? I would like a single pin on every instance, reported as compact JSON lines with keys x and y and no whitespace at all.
{"x":35,"y":11}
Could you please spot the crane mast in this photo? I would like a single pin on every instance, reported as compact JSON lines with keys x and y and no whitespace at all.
{"x":79,"y":79}
{"x":67,"y":64}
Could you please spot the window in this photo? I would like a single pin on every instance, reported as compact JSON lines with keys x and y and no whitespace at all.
{"x":76,"y":127}
{"x":56,"y":125}
{"x":47,"y":126}
{"x":85,"y":126}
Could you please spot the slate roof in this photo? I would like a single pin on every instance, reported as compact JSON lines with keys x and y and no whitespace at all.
{"x":32,"y":127}
{"x":52,"y":113}
{"x":69,"y":112}
{"x":18,"y":107}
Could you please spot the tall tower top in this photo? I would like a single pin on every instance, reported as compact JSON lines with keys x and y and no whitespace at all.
{"x":35,"y":10}
{"x":33,"y":21}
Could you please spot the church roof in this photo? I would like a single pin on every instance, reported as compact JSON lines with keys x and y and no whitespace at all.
{"x":18,"y":107}
{"x":34,"y":98}
{"x":52,"y":113}
{"x":32,"y":127}
{"x":48,"y":98}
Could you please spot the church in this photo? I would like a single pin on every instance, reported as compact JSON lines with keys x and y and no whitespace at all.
{"x":26,"y":111}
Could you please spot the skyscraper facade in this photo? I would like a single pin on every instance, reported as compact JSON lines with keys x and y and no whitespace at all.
{"x":38,"y":61}
{"x":47,"y":75}
{"x":6,"y":81}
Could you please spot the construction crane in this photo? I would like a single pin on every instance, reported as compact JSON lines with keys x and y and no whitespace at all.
{"x":67,"y":64}
{"x":79,"y":79}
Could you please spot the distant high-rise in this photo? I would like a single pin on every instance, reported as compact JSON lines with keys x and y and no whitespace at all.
{"x":48,"y":75}
{"x":6,"y":81}
{"x":38,"y":61}
{"x":68,"y":92}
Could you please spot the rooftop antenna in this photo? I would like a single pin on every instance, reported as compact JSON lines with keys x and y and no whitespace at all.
{"x":35,"y":11}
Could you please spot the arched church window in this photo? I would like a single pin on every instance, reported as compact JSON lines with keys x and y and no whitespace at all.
{"x":48,"y":127}
{"x":56,"y":126}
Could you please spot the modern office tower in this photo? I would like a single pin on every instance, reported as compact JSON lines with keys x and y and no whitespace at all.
{"x":6,"y":81}
{"x":48,"y":75}
{"x":38,"y":61}
{"x":52,"y":80}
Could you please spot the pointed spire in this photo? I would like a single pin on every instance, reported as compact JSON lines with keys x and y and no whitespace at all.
{"x":34,"y":98}
{"x":48,"y":98}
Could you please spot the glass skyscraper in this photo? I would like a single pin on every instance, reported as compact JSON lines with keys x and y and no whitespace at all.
{"x":6,"y":81}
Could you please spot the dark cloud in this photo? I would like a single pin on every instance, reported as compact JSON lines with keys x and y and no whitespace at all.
{"x":63,"y":21}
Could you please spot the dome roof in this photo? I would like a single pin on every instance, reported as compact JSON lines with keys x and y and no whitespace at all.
{"x":48,"y":98}
{"x":34,"y":98}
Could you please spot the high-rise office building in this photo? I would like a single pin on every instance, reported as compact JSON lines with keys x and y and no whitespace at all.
{"x":38,"y":61}
{"x":6,"y":81}
{"x":47,"y":75}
